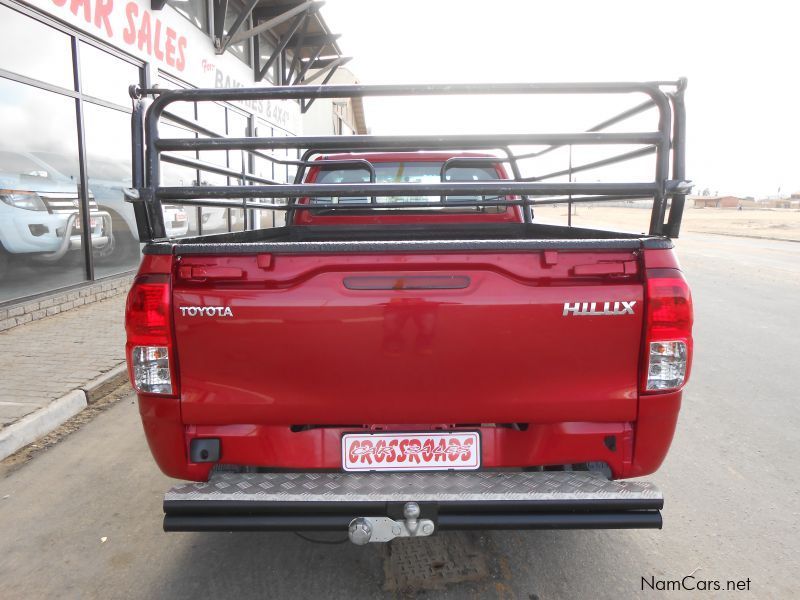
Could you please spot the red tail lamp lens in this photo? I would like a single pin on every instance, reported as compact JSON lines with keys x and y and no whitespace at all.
{"x":668,"y":347}
{"x":147,"y":312}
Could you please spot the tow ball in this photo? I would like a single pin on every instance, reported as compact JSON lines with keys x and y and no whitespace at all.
{"x":363,"y":530}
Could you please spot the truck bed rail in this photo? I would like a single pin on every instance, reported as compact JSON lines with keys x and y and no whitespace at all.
{"x":668,"y":186}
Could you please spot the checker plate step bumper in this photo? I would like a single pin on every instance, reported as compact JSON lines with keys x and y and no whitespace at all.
{"x":317,"y":501}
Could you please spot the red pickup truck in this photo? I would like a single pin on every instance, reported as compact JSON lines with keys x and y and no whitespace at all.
{"x":412,"y":351}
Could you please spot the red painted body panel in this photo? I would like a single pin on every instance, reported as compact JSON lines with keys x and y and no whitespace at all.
{"x":304,"y":349}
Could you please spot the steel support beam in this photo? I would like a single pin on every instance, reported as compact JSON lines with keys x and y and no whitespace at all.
{"x":306,"y":104}
{"x":231,"y":36}
{"x":329,"y":70}
{"x":299,"y":21}
{"x":240,"y":36}
{"x":286,"y":75}
{"x":331,"y":67}
{"x":321,"y":63}
{"x":220,"y":10}
{"x":321,"y":39}
{"x":305,"y":65}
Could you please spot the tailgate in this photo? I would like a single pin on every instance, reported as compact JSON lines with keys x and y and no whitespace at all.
{"x":408,"y":339}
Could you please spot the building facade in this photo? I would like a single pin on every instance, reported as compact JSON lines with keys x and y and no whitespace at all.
{"x":337,"y":116}
{"x":65,"y":69}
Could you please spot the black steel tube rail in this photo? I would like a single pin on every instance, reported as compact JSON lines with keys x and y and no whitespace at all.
{"x":678,"y":158}
{"x":652,"y":89}
{"x":645,"y":519}
{"x":288,"y":206}
{"x":256,"y":523}
{"x":449,"y":188}
{"x":233,"y":173}
{"x":144,"y":226}
{"x":405,"y":142}
{"x":380,"y":508}
{"x":657,"y":96}
{"x":225,"y":203}
{"x":194,"y":163}
{"x":197,"y":127}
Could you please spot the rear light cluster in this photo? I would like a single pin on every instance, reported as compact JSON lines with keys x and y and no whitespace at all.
{"x":148,"y":324}
{"x":668,"y":344}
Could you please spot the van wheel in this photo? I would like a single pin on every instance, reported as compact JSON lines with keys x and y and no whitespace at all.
{"x":5,"y":259}
{"x":122,"y":248}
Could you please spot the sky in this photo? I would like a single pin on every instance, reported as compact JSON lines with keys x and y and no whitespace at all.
{"x":741,"y":59}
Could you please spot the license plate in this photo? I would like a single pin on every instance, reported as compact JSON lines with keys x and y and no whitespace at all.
{"x":434,"y":451}
{"x":92,"y":224}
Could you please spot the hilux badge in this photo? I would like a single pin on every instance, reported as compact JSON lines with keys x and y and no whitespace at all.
{"x":591,"y":308}
{"x":206,"y":311}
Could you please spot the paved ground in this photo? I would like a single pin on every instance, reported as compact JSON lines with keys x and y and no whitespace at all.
{"x":45,"y":359}
{"x":731,"y":483}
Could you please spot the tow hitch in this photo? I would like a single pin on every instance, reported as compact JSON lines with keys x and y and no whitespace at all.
{"x":363,"y":530}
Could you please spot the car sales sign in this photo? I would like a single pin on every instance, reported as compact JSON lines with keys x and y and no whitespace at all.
{"x":425,"y":451}
{"x":170,"y":42}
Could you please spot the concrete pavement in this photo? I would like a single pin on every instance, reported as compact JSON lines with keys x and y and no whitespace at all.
{"x":50,"y":367}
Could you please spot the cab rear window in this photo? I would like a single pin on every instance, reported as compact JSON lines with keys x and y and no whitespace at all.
{"x":405,"y":172}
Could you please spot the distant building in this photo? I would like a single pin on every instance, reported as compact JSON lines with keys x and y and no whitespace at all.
{"x":777,"y":203}
{"x":721,"y":202}
{"x":336,"y":116}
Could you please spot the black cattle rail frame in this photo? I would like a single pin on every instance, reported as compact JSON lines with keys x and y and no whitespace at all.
{"x":667,"y":143}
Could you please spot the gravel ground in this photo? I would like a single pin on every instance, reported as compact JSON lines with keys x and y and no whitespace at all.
{"x":750,"y":223}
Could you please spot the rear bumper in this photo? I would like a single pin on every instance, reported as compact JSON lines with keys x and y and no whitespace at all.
{"x":51,"y":236}
{"x":315,"y":501}
{"x":631,"y":449}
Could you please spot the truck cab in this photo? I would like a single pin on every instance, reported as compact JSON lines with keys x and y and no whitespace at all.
{"x":406,"y":167}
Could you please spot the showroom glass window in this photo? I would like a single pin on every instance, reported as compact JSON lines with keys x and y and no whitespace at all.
{"x":238,"y":126}
{"x":177,"y":175}
{"x":242,"y":49}
{"x":42,"y":203}
{"x":266,"y":46}
{"x":194,"y":10}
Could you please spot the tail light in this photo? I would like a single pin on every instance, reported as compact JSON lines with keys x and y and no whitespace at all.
{"x":148,"y":324}
{"x":668,"y":338}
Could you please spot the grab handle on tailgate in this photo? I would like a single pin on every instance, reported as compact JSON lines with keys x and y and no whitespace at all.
{"x":204,"y":273}
{"x":627,"y":267}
